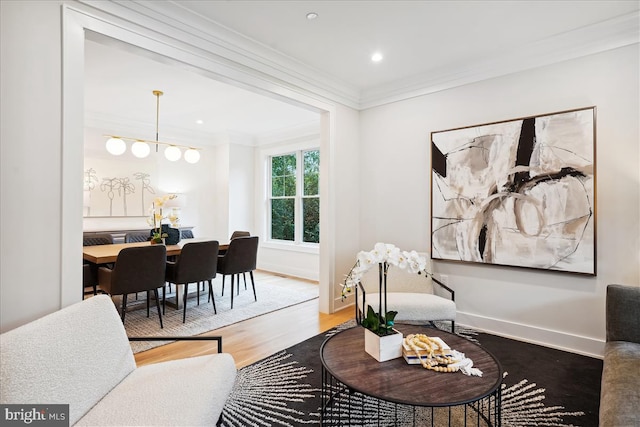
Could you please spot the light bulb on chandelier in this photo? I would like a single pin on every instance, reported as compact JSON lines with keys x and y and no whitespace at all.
{"x":140,"y":148}
{"x":116,"y":146}
{"x":172,"y":153}
{"x":191,"y":156}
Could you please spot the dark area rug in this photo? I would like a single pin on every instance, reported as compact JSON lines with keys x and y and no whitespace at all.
{"x":541,"y":387}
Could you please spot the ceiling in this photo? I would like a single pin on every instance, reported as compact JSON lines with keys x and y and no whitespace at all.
{"x":416,"y":38}
{"x":119,"y":100}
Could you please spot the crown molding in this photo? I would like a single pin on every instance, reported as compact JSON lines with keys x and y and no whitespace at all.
{"x":120,"y":126}
{"x":244,"y":61}
{"x":117,"y":125}
{"x":600,"y":37}
{"x":303,"y":132}
{"x":242,"y":56}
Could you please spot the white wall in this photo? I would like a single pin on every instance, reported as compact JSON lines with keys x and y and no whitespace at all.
{"x":229,"y":194}
{"x":347,"y":197}
{"x":30,"y":159}
{"x":241,"y":191}
{"x":557,"y":309}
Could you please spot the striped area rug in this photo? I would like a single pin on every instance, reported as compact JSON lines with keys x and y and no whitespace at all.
{"x":272,"y":292}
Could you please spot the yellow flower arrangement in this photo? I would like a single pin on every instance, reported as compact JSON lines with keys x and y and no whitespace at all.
{"x":156,"y":217}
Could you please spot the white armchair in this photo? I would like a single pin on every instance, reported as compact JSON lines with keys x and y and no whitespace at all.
{"x":81,"y":356}
{"x":414,"y":296}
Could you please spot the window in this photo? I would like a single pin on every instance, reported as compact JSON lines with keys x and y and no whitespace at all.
{"x":295,"y":197}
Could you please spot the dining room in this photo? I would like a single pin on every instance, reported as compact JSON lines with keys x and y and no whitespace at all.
{"x":146,"y":99}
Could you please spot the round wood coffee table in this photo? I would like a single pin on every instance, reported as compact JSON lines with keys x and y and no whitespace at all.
{"x":358,"y":390}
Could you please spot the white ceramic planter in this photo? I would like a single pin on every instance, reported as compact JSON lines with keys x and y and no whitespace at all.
{"x":383,"y":348}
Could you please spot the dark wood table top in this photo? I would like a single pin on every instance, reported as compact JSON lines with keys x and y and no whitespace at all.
{"x":396,"y":381}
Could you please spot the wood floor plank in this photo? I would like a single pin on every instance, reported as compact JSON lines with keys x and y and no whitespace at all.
{"x":254,"y":339}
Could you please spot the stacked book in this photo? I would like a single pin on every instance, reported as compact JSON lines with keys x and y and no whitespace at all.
{"x":411,"y":357}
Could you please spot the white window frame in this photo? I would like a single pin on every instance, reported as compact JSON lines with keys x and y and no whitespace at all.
{"x":296,"y":244}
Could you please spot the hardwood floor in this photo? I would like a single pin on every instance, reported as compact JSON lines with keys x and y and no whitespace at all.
{"x":253,"y":339}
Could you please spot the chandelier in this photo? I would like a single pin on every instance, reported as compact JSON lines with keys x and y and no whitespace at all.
{"x":116,"y":145}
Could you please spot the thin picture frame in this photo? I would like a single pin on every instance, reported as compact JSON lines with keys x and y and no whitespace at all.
{"x":519,"y":193}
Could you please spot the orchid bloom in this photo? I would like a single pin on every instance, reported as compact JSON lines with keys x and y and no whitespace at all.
{"x":155,"y":218}
{"x":382,"y":252}
{"x":415,"y":262}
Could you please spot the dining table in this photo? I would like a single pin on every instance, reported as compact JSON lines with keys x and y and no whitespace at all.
{"x":106,"y":254}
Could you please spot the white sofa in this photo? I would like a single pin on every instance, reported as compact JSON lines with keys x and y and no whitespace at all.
{"x":81,"y":356}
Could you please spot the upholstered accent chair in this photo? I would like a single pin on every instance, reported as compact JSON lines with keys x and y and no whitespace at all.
{"x":80,"y":356}
{"x":415,"y":297}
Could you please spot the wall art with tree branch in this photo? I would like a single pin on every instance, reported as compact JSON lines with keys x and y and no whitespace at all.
{"x":120,"y":193}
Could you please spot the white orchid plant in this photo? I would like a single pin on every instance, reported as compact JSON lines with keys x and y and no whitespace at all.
{"x":383,"y":255}
{"x":156,"y":217}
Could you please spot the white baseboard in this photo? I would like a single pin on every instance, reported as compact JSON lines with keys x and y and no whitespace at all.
{"x":290,"y":271}
{"x":585,"y":346}
{"x":555,"y":339}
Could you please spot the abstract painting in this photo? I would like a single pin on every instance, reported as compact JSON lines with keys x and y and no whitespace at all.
{"x":517,"y":193}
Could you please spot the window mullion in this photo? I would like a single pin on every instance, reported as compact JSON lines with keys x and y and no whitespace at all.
{"x":299,"y":192}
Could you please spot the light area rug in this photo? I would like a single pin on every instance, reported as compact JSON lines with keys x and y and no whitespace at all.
{"x":273,"y":293}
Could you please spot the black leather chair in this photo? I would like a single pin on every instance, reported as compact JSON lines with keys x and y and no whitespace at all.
{"x":240,"y":257}
{"x":89,"y":269}
{"x":196,"y":263}
{"x":140,"y":269}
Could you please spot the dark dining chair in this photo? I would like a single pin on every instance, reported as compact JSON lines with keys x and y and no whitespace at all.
{"x":93,"y":239}
{"x":89,"y":269}
{"x":239,"y":233}
{"x":240,"y":257}
{"x":135,"y":237}
{"x":196,"y":263}
{"x":139,"y":236}
{"x":186,"y":234}
{"x":235,"y":235}
{"x":138,"y":269}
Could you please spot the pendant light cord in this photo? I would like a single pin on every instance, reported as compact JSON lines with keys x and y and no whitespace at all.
{"x":158,"y":94}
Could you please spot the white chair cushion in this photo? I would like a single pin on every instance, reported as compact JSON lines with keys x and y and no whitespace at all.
{"x":184,"y":392}
{"x":77,"y":354}
{"x":413,"y":306}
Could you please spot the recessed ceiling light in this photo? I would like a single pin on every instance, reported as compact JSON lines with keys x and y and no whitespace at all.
{"x":311,"y":16}
{"x":376,"y":57}
{"x":199,"y":122}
